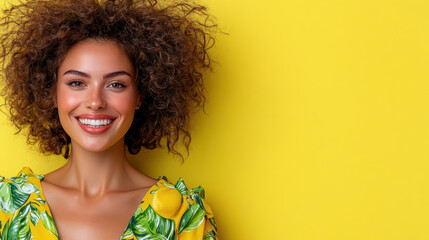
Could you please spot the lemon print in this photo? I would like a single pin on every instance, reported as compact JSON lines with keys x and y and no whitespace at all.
{"x":167,"y":201}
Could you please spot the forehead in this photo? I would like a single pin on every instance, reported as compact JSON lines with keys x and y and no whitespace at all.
{"x":96,"y":57}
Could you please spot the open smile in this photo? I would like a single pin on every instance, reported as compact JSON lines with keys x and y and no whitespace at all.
{"x":95,"y":124}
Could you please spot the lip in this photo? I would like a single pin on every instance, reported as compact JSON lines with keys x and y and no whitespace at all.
{"x":95,"y":116}
{"x":91,"y":130}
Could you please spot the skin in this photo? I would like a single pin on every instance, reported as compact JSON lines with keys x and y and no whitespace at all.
{"x":95,"y":194}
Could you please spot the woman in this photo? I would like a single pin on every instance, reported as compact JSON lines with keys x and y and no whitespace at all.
{"x":91,"y":80}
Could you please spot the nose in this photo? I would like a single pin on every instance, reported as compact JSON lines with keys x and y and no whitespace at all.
{"x":95,"y":99}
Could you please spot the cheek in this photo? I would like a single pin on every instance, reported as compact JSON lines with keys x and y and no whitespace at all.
{"x":67,"y":101}
{"x":125,"y":104}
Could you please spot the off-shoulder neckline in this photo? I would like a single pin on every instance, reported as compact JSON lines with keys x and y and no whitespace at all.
{"x":40,"y":178}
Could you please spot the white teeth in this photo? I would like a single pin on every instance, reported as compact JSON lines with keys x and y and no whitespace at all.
{"x":95,"y":123}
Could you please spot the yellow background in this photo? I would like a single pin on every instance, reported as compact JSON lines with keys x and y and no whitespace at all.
{"x":316,"y":125}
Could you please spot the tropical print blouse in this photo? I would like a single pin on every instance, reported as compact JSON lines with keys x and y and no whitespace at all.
{"x":167,"y":211}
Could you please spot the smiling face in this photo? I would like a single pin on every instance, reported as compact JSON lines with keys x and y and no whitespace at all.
{"x":96,"y":94}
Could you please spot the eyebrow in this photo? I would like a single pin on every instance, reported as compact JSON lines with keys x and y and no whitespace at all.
{"x":115,"y":74}
{"x":109,"y":75}
{"x":78,"y":73}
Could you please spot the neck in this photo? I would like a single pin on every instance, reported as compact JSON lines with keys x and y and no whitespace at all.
{"x":95,"y":173}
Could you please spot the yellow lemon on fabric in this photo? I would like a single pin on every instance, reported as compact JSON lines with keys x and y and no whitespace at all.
{"x":167,"y":201}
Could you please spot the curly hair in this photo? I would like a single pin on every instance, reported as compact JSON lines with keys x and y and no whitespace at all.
{"x":167,"y":42}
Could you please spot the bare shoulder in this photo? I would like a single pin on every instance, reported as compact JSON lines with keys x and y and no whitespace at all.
{"x":139,"y":179}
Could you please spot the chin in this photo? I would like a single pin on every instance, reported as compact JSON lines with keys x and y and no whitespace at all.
{"x":96,"y":146}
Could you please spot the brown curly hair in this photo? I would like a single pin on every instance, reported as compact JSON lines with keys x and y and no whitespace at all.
{"x":167,"y":42}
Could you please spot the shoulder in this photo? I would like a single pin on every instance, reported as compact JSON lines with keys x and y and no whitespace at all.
{"x":22,"y":205}
{"x":15,"y":191}
{"x":186,"y":208}
{"x":196,"y":216}
{"x":166,"y":191}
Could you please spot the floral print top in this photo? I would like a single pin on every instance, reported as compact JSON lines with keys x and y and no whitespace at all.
{"x":167,"y":212}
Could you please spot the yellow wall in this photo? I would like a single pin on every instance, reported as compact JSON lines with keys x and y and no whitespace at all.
{"x":317,"y":124}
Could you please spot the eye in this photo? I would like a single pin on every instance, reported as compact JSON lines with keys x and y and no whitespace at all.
{"x":116,"y":85}
{"x":76,"y":83}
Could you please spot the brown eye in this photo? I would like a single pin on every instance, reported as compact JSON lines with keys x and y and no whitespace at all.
{"x":116,"y":85}
{"x":76,"y":84}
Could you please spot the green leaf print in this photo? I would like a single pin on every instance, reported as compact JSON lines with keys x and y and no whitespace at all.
{"x":168,"y":185}
{"x":4,"y":235}
{"x":200,"y":202}
{"x":154,"y":191}
{"x":151,"y":226}
{"x":48,"y":222}
{"x":25,"y":176}
{"x":20,"y":226}
{"x":198,"y":191}
{"x":5,"y":197}
{"x":192,"y":218}
{"x":198,"y":194}
{"x":12,"y":198}
{"x":127,"y":234}
{"x":211,"y":235}
{"x":163,"y":178}
{"x":212,"y":221}
{"x":17,"y":180}
{"x":34,"y":215}
{"x":181,"y":187}
{"x":18,"y":197}
{"x":24,"y":185}
{"x":40,"y":200}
